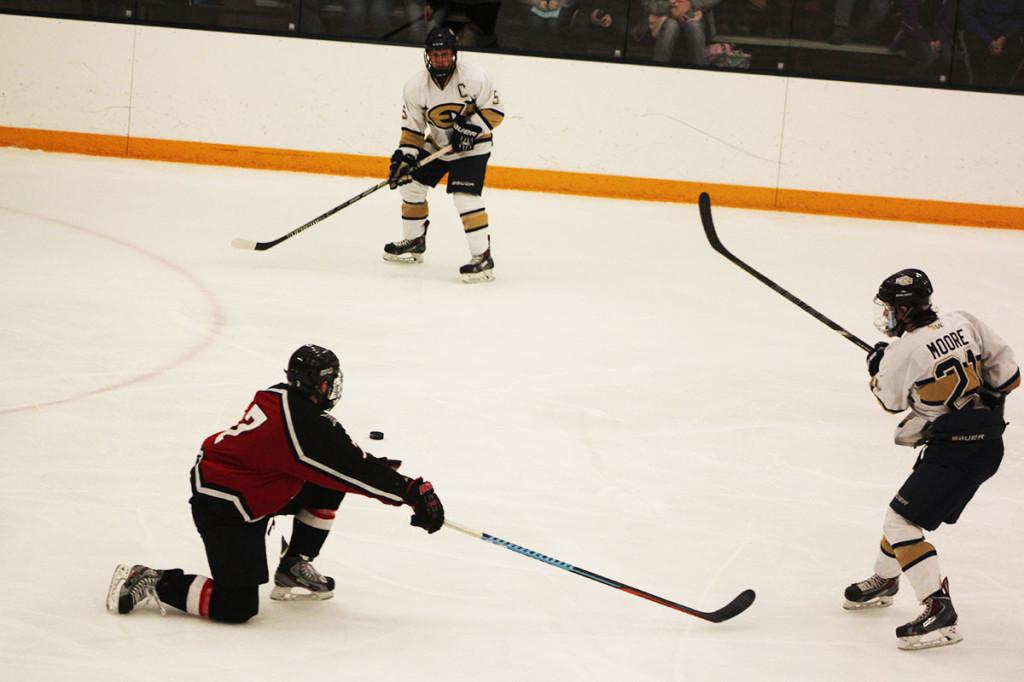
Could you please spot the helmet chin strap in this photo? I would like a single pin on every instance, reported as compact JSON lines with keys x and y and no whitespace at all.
{"x":440,"y":81}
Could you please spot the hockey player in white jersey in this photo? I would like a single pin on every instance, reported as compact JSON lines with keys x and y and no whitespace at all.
{"x":953,"y":373}
{"x":454,"y":103}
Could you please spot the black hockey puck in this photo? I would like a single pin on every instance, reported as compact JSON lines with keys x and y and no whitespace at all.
{"x":376,"y":435}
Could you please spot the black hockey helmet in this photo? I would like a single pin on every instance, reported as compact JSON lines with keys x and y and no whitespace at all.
{"x":309,"y":367}
{"x":438,"y":39}
{"x":910,"y":289}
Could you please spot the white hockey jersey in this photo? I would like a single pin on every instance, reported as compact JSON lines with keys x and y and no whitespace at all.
{"x":938,"y":368}
{"x":428,"y":110}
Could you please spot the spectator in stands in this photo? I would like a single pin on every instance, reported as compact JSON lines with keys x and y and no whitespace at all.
{"x":595,"y":26}
{"x":670,"y":22}
{"x":542,"y":22}
{"x":844,"y":29}
{"x":926,"y":33}
{"x":992,"y":31}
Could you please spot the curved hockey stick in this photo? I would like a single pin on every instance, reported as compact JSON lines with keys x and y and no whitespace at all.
{"x":250,"y":245}
{"x":709,"y":230}
{"x":730,"y":610}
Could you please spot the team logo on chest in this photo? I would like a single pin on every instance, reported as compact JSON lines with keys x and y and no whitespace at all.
{"x":442,"y":115}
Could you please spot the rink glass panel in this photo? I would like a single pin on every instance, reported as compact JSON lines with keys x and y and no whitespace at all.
{"x":914,"y":42}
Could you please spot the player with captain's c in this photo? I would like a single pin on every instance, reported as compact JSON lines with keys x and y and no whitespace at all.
{"x":447,"y":103}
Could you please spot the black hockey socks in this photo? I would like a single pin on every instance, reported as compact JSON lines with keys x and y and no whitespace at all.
{"x":309,"y":532}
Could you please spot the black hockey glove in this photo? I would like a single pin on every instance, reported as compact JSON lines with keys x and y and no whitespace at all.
{"x":401,"y":164}
{"x":428,"y":512}
{"x":464,"y":134}
{"x":875,"y":357}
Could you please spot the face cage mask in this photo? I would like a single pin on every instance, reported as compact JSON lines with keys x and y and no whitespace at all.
{"x":334,"y":394}
{"x":885,"y":318}
{"x":438,"y":73}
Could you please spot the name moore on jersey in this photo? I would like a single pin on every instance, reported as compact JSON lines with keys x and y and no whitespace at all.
{"x":942,"y":367}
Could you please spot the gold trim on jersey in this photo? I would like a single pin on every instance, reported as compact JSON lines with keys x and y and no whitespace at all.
{"x":415,"y":211}
{"x":410,"y":138}
{"x":474,"y":220}
{"x":1011,"y":384}
{"x":909,"y":555}
{"x":937,"y":391}
{"x":492,"y":117}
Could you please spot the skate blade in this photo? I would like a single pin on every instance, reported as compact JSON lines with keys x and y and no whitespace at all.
{"x":473,"y":278}
{"x":121,"y":572}
{"x":878,"y":603}
{"x":941,"y":637}
{"x":404,"y":258}
{"x":280,"y":593}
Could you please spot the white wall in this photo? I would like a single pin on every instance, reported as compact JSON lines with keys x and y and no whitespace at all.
{"x":650,"y":122}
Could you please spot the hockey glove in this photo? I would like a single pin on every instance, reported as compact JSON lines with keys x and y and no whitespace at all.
{"x":402,"y":164}
{"x":875,"y":357}
{"x":428,"y":512}
{"x":464,"y":134}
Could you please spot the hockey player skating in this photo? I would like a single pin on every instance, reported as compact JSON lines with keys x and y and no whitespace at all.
{"x":953,"y":373}
{"x":454,"y":103}
{"x":287,"y":455}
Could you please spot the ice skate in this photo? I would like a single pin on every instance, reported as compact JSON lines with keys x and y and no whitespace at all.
{"x":297,"y":580}
{"x":875,"y":592}
{"x":407,"y":250}
{"x":478,"y":269}
{"x":132,"y":587}
{"x":936,"y":626}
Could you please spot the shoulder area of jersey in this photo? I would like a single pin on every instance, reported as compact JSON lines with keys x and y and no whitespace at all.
{"x":419,"y":80}
{"x":470,"y":71}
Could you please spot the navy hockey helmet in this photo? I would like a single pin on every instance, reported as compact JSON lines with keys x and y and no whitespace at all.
{"x":440,"y":40}
{"x":309,"y":368}
{"x":904,"y":301}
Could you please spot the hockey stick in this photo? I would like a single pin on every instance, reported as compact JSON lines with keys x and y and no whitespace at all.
{"x":250,"y":245}
{"x":733,"y":608}
{"x":709,"y":229}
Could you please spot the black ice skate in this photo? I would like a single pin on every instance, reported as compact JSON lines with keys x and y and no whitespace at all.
{"x":478,"y":269}
{"x":407,"y":250}
{"x":936,"y":626}
{"x":297,"y":580}
{"x":875,"y":592}
{"x":133,"y":586}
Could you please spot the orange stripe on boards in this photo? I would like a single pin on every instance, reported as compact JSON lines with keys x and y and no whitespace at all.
{"x":529,"y":179}
{"x":57,"y":141}
{"x":626,"y":187}
{"x":893,"y":208}
{"x":255,"y":157}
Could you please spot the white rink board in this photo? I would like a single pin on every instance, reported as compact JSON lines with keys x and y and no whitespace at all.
{"x":858,"y":138}
{"x":65,"y":75}
{"x":649,"y":122}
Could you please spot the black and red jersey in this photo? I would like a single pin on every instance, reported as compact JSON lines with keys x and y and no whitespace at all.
{"x":282,"y":442}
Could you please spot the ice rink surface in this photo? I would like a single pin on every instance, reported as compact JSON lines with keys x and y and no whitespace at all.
{"x":621,"y":398}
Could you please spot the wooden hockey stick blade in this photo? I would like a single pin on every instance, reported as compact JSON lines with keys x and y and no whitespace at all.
{"x":704,"y":202}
